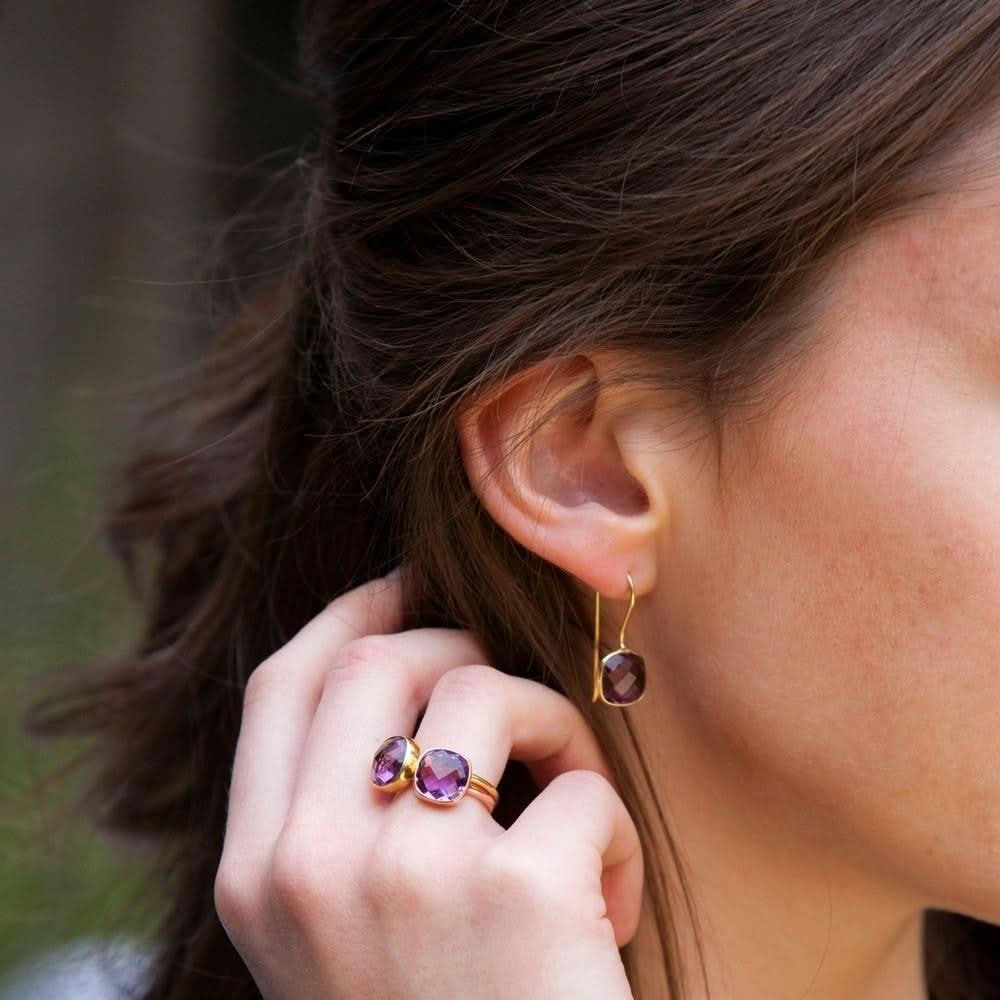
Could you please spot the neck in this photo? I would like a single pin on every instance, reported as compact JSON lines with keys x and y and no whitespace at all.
{"x":782,"y":912}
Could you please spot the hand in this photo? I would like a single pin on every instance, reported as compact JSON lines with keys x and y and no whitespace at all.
{"x":330,"y":888}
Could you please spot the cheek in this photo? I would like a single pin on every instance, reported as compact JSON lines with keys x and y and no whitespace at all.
{"x":854,"y":655}
{"x":891,"y":525}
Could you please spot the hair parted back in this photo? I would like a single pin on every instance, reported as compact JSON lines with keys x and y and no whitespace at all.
{"x":495,"y":184}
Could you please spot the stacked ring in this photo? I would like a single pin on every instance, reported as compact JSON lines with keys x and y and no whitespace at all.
{"x":439,"y":775}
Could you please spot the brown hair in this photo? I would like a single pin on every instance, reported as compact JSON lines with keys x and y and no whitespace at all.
{"x":495,"y":184}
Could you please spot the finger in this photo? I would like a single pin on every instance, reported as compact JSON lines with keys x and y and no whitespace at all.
{"x":279,"y":703}
{"x":376,"y":689}
{"x":489,"y":716}
{"x":579,"y":824}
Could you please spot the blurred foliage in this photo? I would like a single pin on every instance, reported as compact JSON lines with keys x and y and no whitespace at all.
{"x":62,"y":602}
{"x":135,"y":133}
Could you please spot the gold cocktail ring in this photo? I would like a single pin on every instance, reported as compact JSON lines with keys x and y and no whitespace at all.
{"x":439,"y":775}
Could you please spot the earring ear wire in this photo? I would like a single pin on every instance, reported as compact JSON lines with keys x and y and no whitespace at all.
{"x":619,"y":676}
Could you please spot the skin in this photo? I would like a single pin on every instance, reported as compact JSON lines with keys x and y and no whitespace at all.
{"x":816,"y":606}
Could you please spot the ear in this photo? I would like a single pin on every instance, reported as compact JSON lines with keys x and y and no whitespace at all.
{"x":588,"y":490}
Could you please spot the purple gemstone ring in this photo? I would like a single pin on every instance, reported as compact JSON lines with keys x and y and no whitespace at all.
{"x":440,"y":775}
{"x":394,"y":763}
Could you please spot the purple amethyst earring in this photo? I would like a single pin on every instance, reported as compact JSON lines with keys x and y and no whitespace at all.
{"x":619,"y":676}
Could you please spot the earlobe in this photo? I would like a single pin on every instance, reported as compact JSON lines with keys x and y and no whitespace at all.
{"x":562,"y":470}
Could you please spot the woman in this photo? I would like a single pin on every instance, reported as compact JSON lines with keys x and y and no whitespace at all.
{"x":689,"y":306}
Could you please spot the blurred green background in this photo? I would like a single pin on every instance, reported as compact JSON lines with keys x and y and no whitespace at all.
{"x":134,"y":131}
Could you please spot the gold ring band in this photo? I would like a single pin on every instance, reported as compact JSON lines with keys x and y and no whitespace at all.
{"x":485,"y":790}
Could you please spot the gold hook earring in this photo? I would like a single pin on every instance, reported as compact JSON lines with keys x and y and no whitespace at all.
{"x":620,"y":676}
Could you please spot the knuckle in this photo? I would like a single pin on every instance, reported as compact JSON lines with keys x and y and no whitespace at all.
{"x":514,"y":881}
{"x":235,"y":897}
{"x":471,"y":682}
{"x":261,"y":681}
{"x":360,"y":657}
{"x":295,"y":880}
{"x":585,"y":783}
{"x":388,"y":881}
{"x":396,"y":886}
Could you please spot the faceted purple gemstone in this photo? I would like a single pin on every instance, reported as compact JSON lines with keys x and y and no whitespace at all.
{"x":442,"y":775}
{"x":388,"y":762}
{"x":623,"y":677}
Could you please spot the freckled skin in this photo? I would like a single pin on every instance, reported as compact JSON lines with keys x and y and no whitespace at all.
{"x":828,"y":688}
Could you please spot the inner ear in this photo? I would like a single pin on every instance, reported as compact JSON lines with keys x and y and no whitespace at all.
{"x":571,"y":455}
{"x":574,"y":459}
